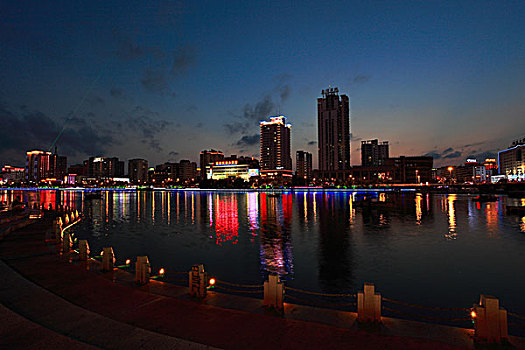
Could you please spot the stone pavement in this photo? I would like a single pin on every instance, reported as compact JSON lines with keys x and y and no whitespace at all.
{"x":44,"y":294}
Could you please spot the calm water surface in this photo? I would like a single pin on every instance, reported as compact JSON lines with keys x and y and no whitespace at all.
{"x":441,"y":250}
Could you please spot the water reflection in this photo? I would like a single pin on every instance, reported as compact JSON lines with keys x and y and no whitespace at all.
{"x":451,"y":214}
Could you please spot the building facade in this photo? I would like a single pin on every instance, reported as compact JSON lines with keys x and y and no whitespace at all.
{"x":512,"y":160}
{"x":303,"y":165}
{"x":37,"y":165}
{"x":138,"y":171}
{"x":374,"y":153}
{"x":333,"y":126}
{"x":104,"y":167}
{"x":275,"y":144}
{"x":208,"y":157}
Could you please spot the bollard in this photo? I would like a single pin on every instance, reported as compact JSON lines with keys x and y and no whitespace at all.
{"x":108,"y":259}
{"x":142,"y":270}
{"x":368,"y":304}
{"x":66,"y":243}
{"x":83,"y":250}
{"x":198,"y":281}
{"x":273,"y":292}
{"x":490,"y":321}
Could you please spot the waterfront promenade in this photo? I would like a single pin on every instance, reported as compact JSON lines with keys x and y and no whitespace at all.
{"x":49,"y":302}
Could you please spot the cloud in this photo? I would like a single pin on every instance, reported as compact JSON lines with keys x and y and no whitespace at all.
{"x":355,"y":138}
{"x":127,"y":49}
{"x":148,"y":124}
{"x":172,"y":153}
{"x":116,"y":93}
{"x":248,"y":140}
{"x":433,"y":154}
{"x":360,"y":79}
{"x":154,"y":80}
{"x":456,"y":154}
{"x":283,"y":86}
{"x":36,"y":130}
{"x":448,"y":150}
{"x":183,"y":58}
{"x":481,"y":156}
{"x":311,"y":143}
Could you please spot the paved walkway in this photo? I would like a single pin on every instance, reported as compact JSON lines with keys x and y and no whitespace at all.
{"x":45,"y":294}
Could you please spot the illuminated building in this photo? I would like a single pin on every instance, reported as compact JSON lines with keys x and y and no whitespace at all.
{"x":37,"y":165}
{"x":303,"y":164}
{"x":104,"y":167}
{"x":333,"y":126}
{"x":57,"y":166}
{"x":373,"y":153}
{"x":275,"y":144}
{"x":208,"y":157}
{"x":138,"y":171}
{"x":13,"y":174}
{"x":187,"y":170}
{"x":228,"y":169}
{"x":410,"y":170}
{"x":512,"y":160}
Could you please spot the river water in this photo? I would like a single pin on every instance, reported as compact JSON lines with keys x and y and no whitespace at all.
{"x":440,"y":250}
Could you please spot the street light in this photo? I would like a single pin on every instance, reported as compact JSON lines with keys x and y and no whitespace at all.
{"x":450,"y":171}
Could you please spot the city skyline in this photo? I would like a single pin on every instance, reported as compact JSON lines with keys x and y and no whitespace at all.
{"x":137,"y":80}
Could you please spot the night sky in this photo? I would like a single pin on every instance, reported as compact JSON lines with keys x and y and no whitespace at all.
{"x":165,"y":80}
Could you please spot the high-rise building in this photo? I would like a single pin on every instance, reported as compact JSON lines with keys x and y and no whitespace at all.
{"x":303,"y":164}
{"x":57,"y":166}
{"x":512,"y":160}
{"x":208,"y":157}
{"x":104,"y":167}
{"x":138,"y":171}
{"x":333,"y":126}
{"x":37,"y":165}
{"x":374,"y":153}
{"x":275,"y":144}
{"x":187,"y":170}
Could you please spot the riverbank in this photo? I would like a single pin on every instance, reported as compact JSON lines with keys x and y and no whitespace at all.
{"x":106,"y":310}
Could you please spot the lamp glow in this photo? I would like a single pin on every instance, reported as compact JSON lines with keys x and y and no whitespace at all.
{"x":473,"y":314}
{"x":161,"y":271}
{"x":128,"y":262}
{"x":212,"y":281}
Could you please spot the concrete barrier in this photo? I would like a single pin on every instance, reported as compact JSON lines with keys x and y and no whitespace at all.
{"x":142,"y":270}
{"x":108,"y":259}
{"x":83,"y":250}
{"x":273,"y":293}
{"x":198,"y":281}
{"x":369,"y":304}
{"x":490,"y":321}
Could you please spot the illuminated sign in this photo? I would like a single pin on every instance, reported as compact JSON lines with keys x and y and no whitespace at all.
{"x":253,"y":172}
{"x":226,"y":162}
{"x":471,"y":160}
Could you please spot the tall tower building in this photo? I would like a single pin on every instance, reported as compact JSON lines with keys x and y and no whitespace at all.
{"x":374,"y":153}
{"x":333,"y":126}
{"x":275,"y":144}
{"x":303,"y":163}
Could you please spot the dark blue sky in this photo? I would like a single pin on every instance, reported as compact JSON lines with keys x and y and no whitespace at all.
{"x":165,"y":80}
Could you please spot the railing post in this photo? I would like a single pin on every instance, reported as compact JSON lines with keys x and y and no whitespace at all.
{"x":83,"y":249}
{"x":198,"y":280}
{"x":273,"y":292}
{"x":368,"y":304}
{"x":142,"y":270}
{"x":490,"y":321}
{"x":108,"y":259}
